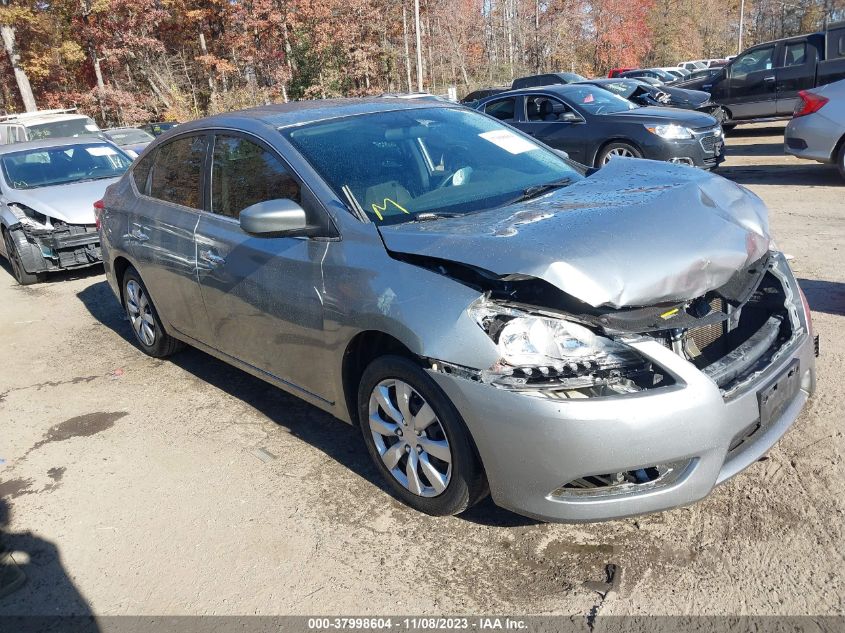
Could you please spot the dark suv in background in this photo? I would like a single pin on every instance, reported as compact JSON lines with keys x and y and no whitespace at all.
{"x":764,"y":80}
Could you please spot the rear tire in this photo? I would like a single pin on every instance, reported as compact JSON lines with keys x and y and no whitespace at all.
{"x":145,"y":322}
{"x":425,"y":454}
{"x":617,"y":148}
{"x":14,"y":256}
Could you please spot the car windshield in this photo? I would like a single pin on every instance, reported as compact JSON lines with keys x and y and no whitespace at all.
{"x":595,"y":100}
{"x":622,"y":88}
{"x":417,"y":164}
{"x":29,"y":169}
{"x":130,"y":136}
{"x":81,"y":126}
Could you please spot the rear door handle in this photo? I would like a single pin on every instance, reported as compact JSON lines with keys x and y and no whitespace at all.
{"x":769,"y":79}
{"x":212,"y":258}
{"x":138,"y":235}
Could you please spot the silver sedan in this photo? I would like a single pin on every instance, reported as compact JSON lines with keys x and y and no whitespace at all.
{"x":817,"y":130}
{"x":491,"y":315}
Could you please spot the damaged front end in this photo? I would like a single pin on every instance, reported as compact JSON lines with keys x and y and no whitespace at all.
{"x":552,"y":345}
{"x":54,"y":244}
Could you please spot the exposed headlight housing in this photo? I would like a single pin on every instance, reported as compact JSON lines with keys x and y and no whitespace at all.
{"x":671,"y":132}
{"x":538,"y":351}
{"x":28,"y":215}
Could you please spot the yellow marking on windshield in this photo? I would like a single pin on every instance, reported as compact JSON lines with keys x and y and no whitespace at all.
{"x":378,"y":208}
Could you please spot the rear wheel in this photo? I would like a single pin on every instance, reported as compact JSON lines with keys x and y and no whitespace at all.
{"x":13,"y":252}
{"x":616,"y":149}
{"x":144,"y":319}
{"x":417,"y":438}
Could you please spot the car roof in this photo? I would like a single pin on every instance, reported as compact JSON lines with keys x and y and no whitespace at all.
{"x":46,"y":143}
{"x":561,"y":89}
{"x":34,"y":118}
{"x":280,"y":115}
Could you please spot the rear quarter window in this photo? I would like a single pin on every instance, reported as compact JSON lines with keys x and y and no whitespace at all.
{"x":141,"y":172}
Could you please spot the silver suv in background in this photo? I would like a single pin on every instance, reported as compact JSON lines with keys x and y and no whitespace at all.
{"x":588,"y":346}
{"x":33,"y":126}
{"x":817,"y":129}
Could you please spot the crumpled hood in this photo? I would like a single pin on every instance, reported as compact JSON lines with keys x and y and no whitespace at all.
{"x":686,"y":97}
{"x":636,"y":233}
{"x":73,"y":203}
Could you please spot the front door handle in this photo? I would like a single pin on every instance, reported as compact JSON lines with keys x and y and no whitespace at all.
{"x":769,"y":79}
{"x":212,"y":258}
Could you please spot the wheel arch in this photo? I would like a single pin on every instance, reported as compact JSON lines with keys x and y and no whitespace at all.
{"x":120,"y":265}
{"x":361,"y":350}
{"x":834,"y":156}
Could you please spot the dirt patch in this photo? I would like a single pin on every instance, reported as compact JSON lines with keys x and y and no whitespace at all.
{"x":56,"y":473}
{"x":15,"y":488}
{"x":79,"y":426}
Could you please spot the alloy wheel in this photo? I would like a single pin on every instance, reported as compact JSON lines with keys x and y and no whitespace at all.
{"x":140,"y":313}
{"x":410,"y":438}
{"x":618,"y":151}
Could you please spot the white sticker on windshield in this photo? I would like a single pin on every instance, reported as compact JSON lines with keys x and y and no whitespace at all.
{"x":91,"y":127}
{"x":508,"y":141}
{"x":100,"y":150}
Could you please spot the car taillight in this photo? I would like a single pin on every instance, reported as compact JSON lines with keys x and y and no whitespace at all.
{"x":807,"y":315}
{"x":98,"y":210}
{"x":809,"y":103}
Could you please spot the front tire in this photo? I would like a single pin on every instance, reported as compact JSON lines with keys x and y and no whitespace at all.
{"x":617,"y":148}
{"x":13,"y":254}
{"x":840,"y":161}
{"x":146,"y":324}
{"x":417,"y":439}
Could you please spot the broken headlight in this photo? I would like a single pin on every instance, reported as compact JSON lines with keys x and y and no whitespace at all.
{"x":25,"y":213}
{"x":541,"y":351}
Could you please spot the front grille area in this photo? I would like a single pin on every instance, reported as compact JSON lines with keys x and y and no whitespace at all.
{"x":707,"y":336}
{"x":744,"y":341}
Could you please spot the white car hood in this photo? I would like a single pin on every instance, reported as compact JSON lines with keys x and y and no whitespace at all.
{"x":72,"y":203}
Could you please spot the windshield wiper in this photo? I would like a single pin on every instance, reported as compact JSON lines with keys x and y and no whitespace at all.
{"x":537,"y":190}
{"x":427,"y":216}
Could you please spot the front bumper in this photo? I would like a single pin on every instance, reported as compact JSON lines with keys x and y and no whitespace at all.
{"x":812,"y":137}
{"x":533,"y":445}
{"x":530,"y":446}
{"x":704,"y":151}
{"x":63,"y":247}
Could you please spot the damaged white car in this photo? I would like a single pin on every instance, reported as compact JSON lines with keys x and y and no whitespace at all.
{"x":47,"y":193}
{"x":583,"y":345}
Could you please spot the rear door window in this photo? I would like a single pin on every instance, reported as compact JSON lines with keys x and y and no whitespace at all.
{"x":177,"y":171}
{"x":796,"y":54}
{"x":141,"y":172}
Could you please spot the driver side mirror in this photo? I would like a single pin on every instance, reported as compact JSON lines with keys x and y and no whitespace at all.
{"x":275,"y":218}
{"x":570,"y":117}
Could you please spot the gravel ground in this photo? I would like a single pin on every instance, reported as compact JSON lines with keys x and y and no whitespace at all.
{"x":138,"y":486}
